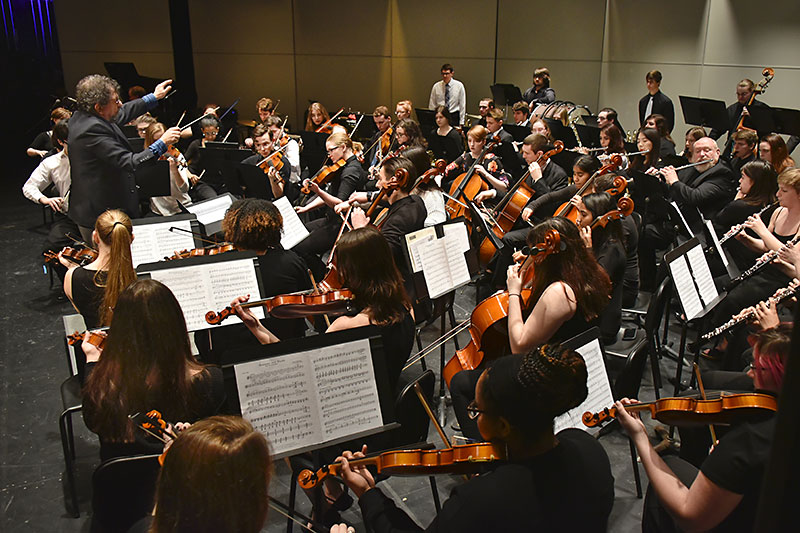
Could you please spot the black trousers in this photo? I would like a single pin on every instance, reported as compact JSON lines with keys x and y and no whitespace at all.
{"x":655,"y":237}
{"x":515,"y":239}
{"x":57,"y":239}
{"x":462,"y":391}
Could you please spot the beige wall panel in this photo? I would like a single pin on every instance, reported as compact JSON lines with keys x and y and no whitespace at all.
{"x":443,"y":30}
{"x":76,"y":65}
{"x":566,"y":30}
{"x":345,"y":27}
{"x":360,"y":83}
{"x":622,"y":85}
{"x":241,"y":26}
{"x":90,"y":25}
{"x":222,"y":79}
{"x":575,"y":81}
{"x":657,"y":32}
{"x":754,"y":33}
{"x":412,"y":79}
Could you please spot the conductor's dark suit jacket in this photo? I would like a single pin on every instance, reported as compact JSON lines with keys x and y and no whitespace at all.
{"x":102,"y":164}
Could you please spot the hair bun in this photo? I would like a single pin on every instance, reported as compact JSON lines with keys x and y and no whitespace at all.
{"x":557,"y":377}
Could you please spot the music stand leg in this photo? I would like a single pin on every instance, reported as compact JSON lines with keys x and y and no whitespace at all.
{"x":442,"y":414}
{"x":636,"y":476}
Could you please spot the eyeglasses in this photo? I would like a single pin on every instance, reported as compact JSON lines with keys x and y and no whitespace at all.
{"x":472,"y":410}
{"x":329,"y":150}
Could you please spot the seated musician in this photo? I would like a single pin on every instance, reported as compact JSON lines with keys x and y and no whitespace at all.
{"x":702,"y":190}
{"x":772,"y":149}
{"x":744,"y":149}
{"x":350,"y":178}
{"x":569,"y":292}
{"x":611,"y":139}
{"x":278,"y":179}
{"x":494,"y":123}
{"x":446,"y":141}
{"x":491,"y":170}
{"x":404,"y":109}
{"x":376,"y":144}
{"x":200,"y":189}
{"x":659,"y":123}
{"x":178,"y":178}
{"x":540,"y":92}
{"x":549,"y":482}
{"x":430,"y":191}
{"x":723,"y":495}
{"x":538,"y":125}
{"x":317,"y":117}
{"x":44,"y":144}
{"x":608,"y":115}
{"x":649,"y":141}
{"x":484,"y":106}
{"x":148,"y":359}
{"x":692,"y":134}
{"x":407,"y":133}
{"x":53,"y":173}
{"x":607,"y":245}
{"x":291,"y":153}
{"x":521,"y":113}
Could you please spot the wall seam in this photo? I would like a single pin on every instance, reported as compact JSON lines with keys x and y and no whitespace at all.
{"x":705,"y":45}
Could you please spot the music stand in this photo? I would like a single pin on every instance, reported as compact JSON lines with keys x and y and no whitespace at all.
{"x":253,"y":181}
{"x":427,"y":122}
{"x":512,"y":163}
{"x":560,"y":132}
{"x":705,"y":112}
{"x":787,"y":121}
{"x":505,"y":94}
{"x":590,"y":120}
{"x":649,"y":197}
{"x":590,"y":135}
{"x":313,"y":155}
{"x":218,"y":159}
{"x":136,"y":143}
{"x":566,"y":160}
{"x":152,"y":179}
{"x":518,"y":132}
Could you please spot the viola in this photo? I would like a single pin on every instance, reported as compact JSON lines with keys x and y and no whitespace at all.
{"x":94,"y":337}
{"x":568,"y":210}
{"x":386,"y":140}
{"x":209,"y":250}
{"x":687,"y":411}
{"x":460,"y":459}
{"x":295,"y":305}
{"x":488,"y":323}
{"x":467,"y":185}
{"x":79,"y":256}
{"x":505,"y":215}
{"x":324,"y":175}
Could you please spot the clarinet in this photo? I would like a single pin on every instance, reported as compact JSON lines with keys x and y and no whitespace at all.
{"x":779,"y":296}
{"x":760,"y":263}
{"x":737,"y":229}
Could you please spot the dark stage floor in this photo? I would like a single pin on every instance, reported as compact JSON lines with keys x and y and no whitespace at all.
{"x":33,"y":365}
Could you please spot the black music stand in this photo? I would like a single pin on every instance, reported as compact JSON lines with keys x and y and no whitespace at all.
{"x":518,"y":132}
{"x":219,"y":161}
{"x":313,"y":155}
{"x":136,"y":143}
{"x":253,"y":182}
{"x":505,"y":94}
{"x":787,"y":121}
{"x":705,"y":112}
{"x":152,"y":179}
{"x":427,"y":122}
{"x":512,"y":163}
{"x":590,"y":135}
{"x":562,"y":133}
{"x":566,"y":160}
{"x":649,"y":197}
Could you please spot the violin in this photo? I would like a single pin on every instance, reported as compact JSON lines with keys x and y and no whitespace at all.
{"x":79,"y":256}
{"x":95,"y":337}
{"x":327,"y":127}
{"x":324,"y":175}
{"x":174,"y":154}
{"x":567,"y":210}
{"x":400,"y":180}
{"x":386,"y":140}
{"x":488,"y":327}
{"x":467,"y":185}
{"x":460,"y":459}
{"x":209,"y":250}
{"x":687,"y":411}
{"x":295,"y":305}
{"x":504,"y":216}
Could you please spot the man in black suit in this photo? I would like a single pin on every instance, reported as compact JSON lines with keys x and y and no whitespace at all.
{"x":744,"y":90}
{"x":704,"y":189}
{"x":744,"y":150}
{"x":656,"y":102}
{"x":494,"y":123}
{"x":101,"y":160}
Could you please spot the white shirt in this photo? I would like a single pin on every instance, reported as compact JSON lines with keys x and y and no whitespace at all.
{"x":434,"y":204}
{"x":53,"y":169}
{"x":293,"y":156}
{"x":458,"y":97}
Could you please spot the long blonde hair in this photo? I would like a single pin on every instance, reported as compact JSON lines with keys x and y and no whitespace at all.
{"x":114,"y":229}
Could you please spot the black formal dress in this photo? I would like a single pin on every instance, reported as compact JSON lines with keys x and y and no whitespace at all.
{"x":447,"y":147}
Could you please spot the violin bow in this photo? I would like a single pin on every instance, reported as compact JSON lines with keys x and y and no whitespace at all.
{"x":696,"y":369}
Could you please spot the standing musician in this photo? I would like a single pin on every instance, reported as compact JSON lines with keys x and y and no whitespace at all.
{"x":291,"y":153}
{"x":350,"y":178}
{"x":744,"y":90}
{"x":200,"y":189}
{"x":379,"y":148}
{"x":656,"y":102}
{"x":450,"y":93}
{"x":549,"y":482}
{"x":446,"y":141}
{"x":54,"y":171}
{"x":772,"y":149}
{"x":744,"y":149}
{"x":100,"y":157}
{"x":723,"y":495}
{"x":540,"y":92}
{"x":263,"y":142}
{"x":491,"y":171}
{"x":570,"y":290}
{"x":178,"y":174}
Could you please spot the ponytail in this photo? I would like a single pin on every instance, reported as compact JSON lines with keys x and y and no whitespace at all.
{"x":114,"y":228}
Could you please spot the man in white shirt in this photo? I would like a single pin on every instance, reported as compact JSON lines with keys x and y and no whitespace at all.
{"x":292,"y":151}
{"x":54,"y":170}
{"x":450,"y":93}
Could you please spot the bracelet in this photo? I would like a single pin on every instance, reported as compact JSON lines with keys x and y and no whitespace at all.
{"x":510,"y":294}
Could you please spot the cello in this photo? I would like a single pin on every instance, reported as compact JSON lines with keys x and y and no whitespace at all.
{"x":488,"y":328}
{"x":567,"y":210}
{"x":468,"y":185}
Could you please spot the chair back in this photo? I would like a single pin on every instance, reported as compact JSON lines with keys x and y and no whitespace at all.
{"x":123,"y":492}
{"x":630,"y":378}
{"x":411,"y":414}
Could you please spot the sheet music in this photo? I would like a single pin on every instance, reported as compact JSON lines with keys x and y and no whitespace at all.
{"x":599,"y":396}
{"x":293,"y":229}
{"x":213,"y":286}
{"x":702,"y":274}
{"x":687,"y":293}
{"x":308,"y":398}
{"x":443,"y":264}
{"x":458,"y":233}
{"x":717,"y":245}
{"x":154,"y":242}
{"x":211,"y":211}
{"x":412,"y":242}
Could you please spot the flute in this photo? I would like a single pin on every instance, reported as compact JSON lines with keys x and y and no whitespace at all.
{"x":760,"y":263}
{"x":779,"y":296}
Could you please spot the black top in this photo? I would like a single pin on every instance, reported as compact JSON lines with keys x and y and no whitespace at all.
{"x":447,"y":147}
{"x":569,"y":488}
{"x":662,"y":105}
{"x":209,"y":392}
{"x":631,"y":234}
{"x":284,"y":172}
{"x":545,"y":95}
{"x":87,"y":296}
{"x":737,"y":464}
{"x":283,"y":272}
{"x":406,"y":215}
{"x":193,"y":157}
{"x":611,"y":256}
{"x":737,"y":164}
{"x":350,"y":178}
{"x":575,"y":325}
{"x":732,"y":214}
{"x":667,"y":148}
{"x":43,"y":141}
{"x":554,"y":176}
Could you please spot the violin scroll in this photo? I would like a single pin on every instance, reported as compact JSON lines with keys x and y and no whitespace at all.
{"x":214,"y":318}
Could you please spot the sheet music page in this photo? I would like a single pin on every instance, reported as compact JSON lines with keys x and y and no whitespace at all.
{"x":293,"y":229}
{"x":687,"y":293}
{"x":412,"y":243}
{"x":435,"y":267}
{"x":212,"y":210}
{"x":599,"y":396}
{"x":154,"y":242}
{"x":210,"y":287}
{"x":702,"y":274}
{"x":346,"y":389}
{"x":458,"y":233}
{"x":277,"y":397}
{"x":454,"y":242}
{"x":717,"y":245}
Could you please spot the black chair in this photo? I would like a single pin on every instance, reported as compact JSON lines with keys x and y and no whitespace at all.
{"x":71,"y":402}
{"x":123,"y":492}
{"x":656,"y":312}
